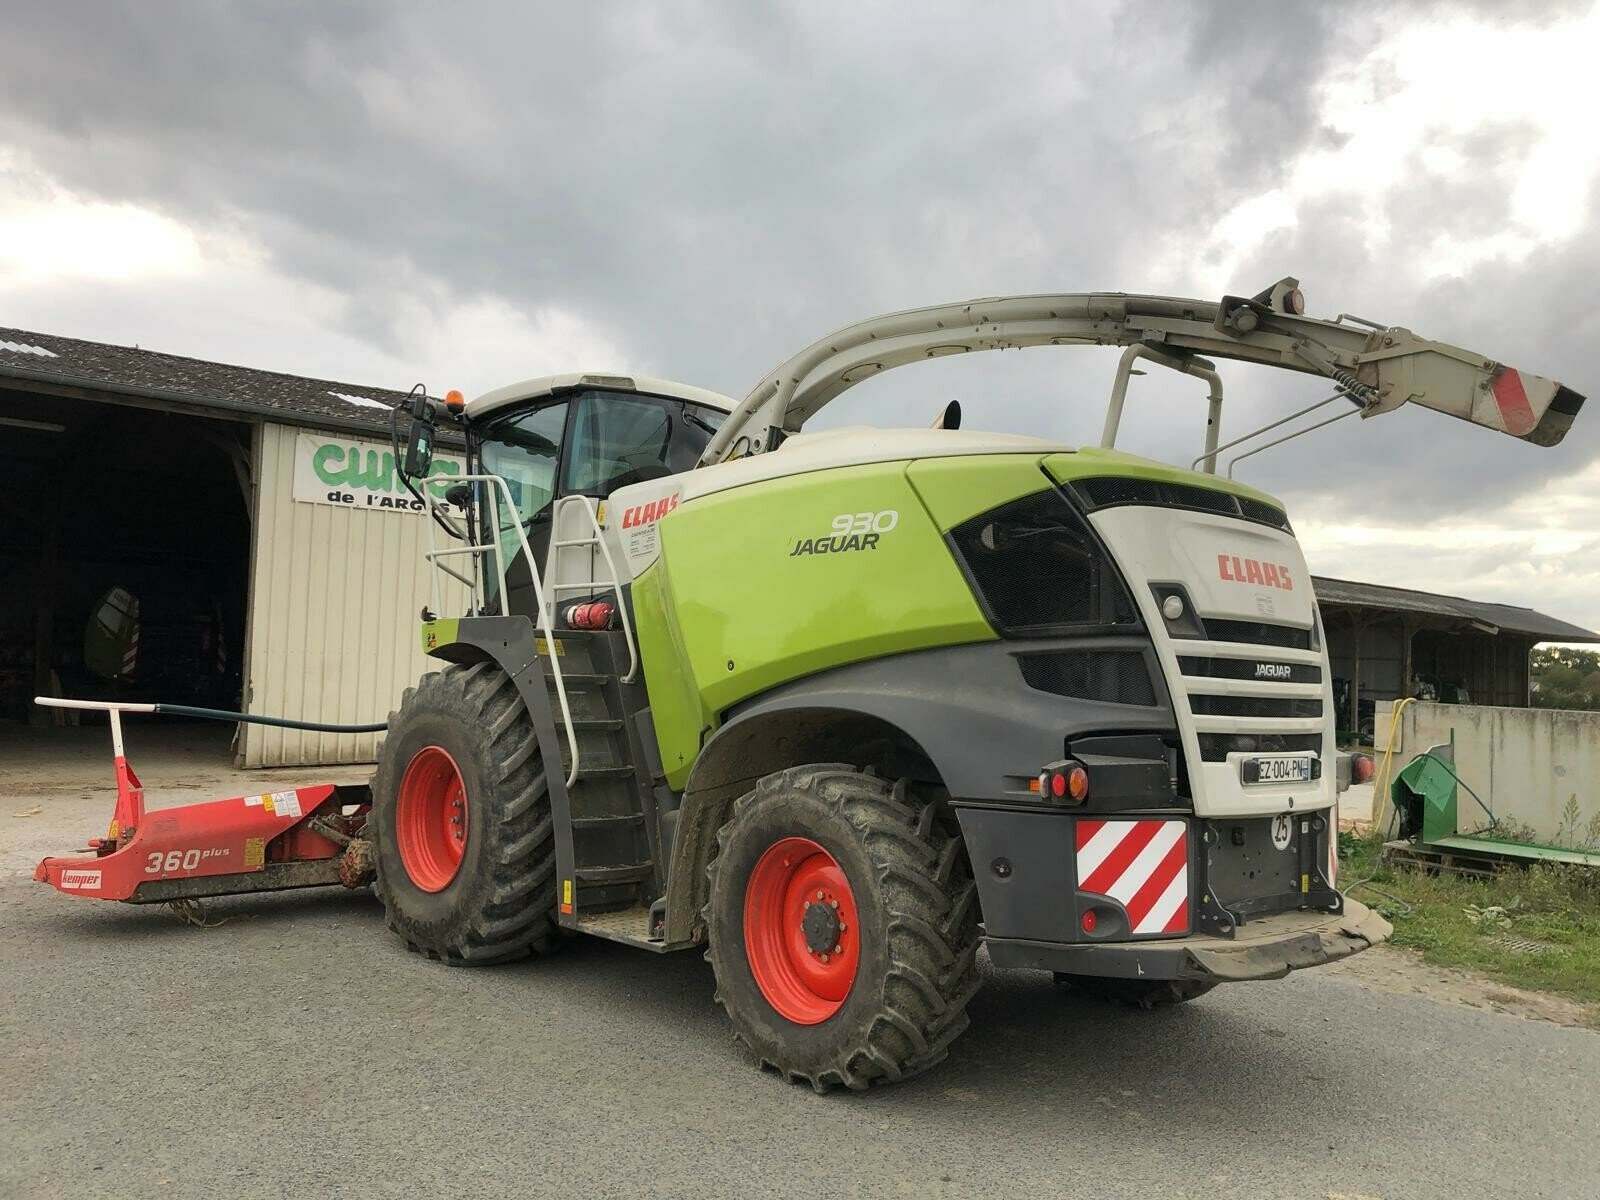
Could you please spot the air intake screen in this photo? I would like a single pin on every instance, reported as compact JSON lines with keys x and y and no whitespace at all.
{"x":1202,"y":498}
{"x":1254,"y":706}
{"x":1114,"y":676}
{"x":1254,"y":510}
{"x":1037,"y":567}
{"x":1215,"y":747}
{"x":1249,"y":668}
{"x":1107,"y":490}
{"x":1117,"y":489}
{"x":1258,"y":633}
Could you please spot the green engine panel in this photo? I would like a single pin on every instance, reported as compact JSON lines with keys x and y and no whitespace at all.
{"x":779,"y":580}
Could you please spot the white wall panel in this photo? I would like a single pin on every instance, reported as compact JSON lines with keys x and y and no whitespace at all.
{"x":334,"y":598}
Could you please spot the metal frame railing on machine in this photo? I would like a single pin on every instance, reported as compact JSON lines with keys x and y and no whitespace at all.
{"x":597,"y":538}
{"x":495,"y":487}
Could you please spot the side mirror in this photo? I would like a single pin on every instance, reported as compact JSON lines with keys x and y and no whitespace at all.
{"x":419,"y":442}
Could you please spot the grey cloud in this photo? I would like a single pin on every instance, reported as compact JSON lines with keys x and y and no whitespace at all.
{"x":717,"y":184}
{"x":671,"y":174}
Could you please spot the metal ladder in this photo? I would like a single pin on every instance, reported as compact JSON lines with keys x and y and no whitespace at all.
{"x":613,"y":580}
{"x":496,"y":488}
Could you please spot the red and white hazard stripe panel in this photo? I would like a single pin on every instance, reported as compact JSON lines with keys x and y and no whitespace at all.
{"x":1143,"y":865}
{"x":1511,"y":398}
{"x":130,"y":655}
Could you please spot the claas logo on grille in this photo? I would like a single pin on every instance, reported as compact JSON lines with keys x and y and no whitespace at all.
{"x":1235,"y":569}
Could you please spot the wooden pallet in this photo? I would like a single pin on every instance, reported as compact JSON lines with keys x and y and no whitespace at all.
{"x":1429,"y":859}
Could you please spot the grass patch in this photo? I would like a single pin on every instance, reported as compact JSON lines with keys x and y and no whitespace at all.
{"x":1534,"y":927}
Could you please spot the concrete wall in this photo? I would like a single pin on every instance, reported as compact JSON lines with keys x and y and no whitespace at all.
{"x":1527,"y":763}
{"x":333,"y":623}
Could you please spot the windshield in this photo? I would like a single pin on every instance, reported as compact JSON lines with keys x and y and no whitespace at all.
{"x":621,"y":440}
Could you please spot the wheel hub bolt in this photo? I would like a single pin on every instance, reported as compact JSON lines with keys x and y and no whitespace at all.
{"x":824,"y":957}
{"x":820,"y":927}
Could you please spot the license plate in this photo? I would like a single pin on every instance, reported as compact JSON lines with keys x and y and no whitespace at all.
{"x":1276,"y":770}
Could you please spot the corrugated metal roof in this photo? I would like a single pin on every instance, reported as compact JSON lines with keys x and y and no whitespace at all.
{"x":1508,"y":617}
{"x":27,"y":356}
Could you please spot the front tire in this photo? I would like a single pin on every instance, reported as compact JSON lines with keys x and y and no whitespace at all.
{"x":842,"y":927}
{"x":463,"y":839}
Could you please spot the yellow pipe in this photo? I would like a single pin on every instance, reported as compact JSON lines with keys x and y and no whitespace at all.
{"x":1382,"y":780}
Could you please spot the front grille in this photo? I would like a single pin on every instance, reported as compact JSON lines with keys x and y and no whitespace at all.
{"x":1215,"y":747}
{"x":1112,"y":676}
{"x":1258,"y":633}
{"x":1254,"y":706}
{"x":1249,"y":668}
{"x":1037,"y":567}
{"x":1108,"y":490}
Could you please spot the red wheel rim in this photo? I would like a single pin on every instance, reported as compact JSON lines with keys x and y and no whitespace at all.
{"x":797,"y":901}
{"x":430,"y":819}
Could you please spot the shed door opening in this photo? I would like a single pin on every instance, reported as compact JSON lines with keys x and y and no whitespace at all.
{"x":124,"y":555}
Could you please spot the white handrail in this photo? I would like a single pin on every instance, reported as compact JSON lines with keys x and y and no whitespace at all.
{"x":96,"y":705}
{"x":113,"y":708}
{"x":497,"y":485}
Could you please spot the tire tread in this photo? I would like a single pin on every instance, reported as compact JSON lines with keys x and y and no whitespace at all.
{"x":932,"y":930}
{"x":514,"y":912}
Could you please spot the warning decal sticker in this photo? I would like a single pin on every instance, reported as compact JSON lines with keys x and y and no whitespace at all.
{"x":285,"y":804}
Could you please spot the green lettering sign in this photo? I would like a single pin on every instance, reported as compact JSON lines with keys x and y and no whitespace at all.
{"x":322,"y":460}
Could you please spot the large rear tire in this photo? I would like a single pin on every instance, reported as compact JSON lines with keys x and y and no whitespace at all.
{"x":461,"y":818}
{"x":843,"y":928}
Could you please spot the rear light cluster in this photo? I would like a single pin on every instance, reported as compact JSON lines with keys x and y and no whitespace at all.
{"x":595,"y":614}
{"x":1065,"y":782}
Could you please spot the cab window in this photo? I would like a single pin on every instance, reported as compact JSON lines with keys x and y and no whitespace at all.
{"x":525,"y":451}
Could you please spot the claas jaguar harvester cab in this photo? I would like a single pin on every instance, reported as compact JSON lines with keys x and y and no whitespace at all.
{"x":845,"y":707}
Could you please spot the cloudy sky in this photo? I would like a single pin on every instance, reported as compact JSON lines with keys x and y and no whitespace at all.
{"x":468,"y":194}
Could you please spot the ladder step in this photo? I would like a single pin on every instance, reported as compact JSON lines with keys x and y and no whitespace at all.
{"x":582,"y":678}
{"x":611,"y":724}
{"x":628,"y":925}
{"x":625,"y":874}
{"x":604,"y":772}
{"x":616,"y":822}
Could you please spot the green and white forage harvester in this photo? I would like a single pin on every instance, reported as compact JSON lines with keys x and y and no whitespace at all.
{"x":845,"y":706}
